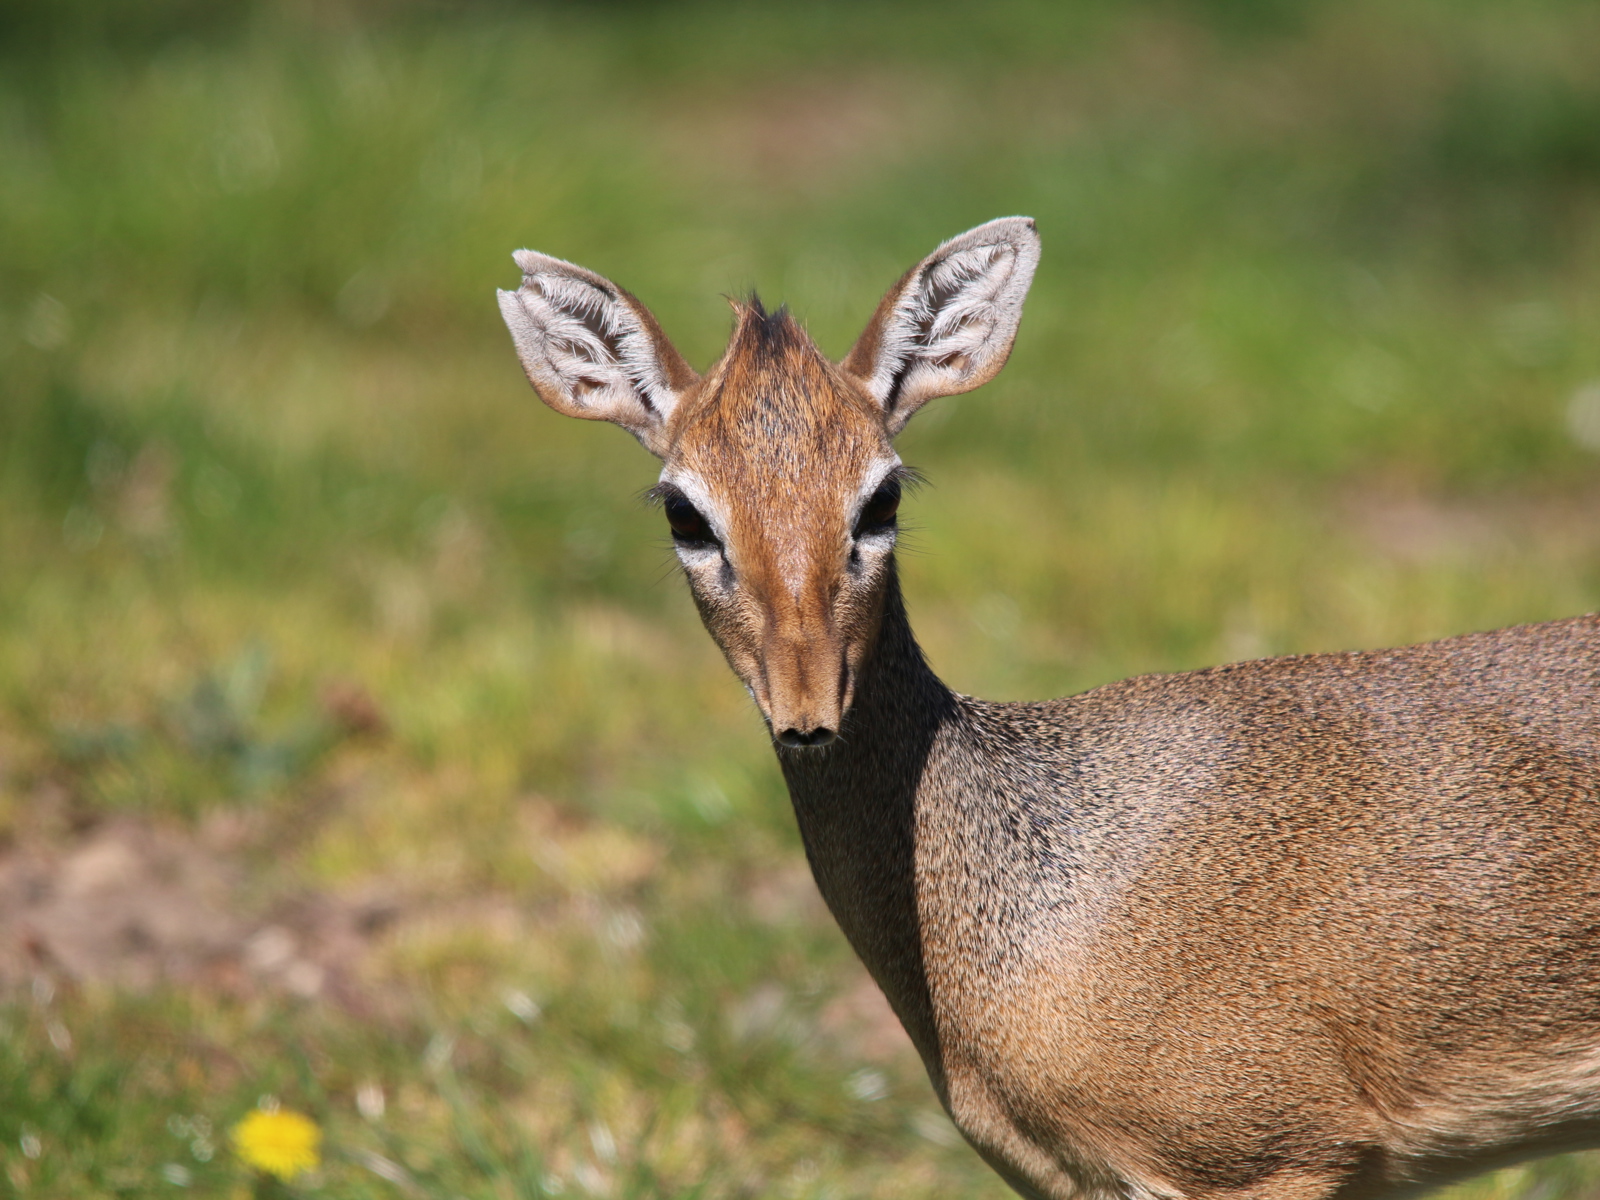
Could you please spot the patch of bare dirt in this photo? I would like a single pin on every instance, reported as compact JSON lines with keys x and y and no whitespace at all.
{"x":127,"y":905}
{"x":133,"y":903}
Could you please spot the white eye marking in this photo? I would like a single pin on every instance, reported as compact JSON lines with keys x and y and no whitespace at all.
{"x":699,"y":554}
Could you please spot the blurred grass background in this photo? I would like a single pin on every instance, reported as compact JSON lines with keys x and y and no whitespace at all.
{"x":358,"y":747}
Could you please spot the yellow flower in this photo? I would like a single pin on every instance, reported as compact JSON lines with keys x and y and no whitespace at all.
{"x":281,"y":1143}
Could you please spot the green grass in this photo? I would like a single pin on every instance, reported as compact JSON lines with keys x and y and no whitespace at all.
{"x":1308,"y":365}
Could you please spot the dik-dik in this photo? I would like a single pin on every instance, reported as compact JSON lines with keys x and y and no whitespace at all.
{"x":1316,"y":926}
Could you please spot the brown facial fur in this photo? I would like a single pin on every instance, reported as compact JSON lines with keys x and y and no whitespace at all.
{"x":781,"y":441}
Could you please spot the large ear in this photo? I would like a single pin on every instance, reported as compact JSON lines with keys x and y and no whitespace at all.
{"x":593,"y":351}
{"x":948,"y":325}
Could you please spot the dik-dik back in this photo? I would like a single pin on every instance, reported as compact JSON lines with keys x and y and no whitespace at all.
{"x":1304,"y":927}
{"x":1298,"y":925}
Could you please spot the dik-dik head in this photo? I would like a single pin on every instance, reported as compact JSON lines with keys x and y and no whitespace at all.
{"x":779,"y":478}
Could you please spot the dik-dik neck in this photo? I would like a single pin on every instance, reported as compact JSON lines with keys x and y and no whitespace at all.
{"x":856,"y":803}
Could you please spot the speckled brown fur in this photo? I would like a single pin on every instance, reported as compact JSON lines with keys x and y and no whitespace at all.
{"x":1325,"y":926}
{"x":1319,"y":925}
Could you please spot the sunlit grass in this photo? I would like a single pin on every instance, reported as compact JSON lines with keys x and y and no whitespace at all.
{"x":297,"y":577}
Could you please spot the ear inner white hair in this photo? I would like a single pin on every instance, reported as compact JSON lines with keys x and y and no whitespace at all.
{"x":591,"y":350}
{"x":948,"y":326}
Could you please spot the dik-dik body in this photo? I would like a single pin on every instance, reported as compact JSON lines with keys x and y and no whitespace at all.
{"x":1302,"y":927}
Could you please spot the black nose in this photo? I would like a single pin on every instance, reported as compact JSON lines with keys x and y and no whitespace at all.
{"x":814,"y":737}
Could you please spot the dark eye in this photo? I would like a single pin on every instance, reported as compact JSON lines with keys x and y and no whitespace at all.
{"x":878,"y":512}
{"x":688,"y":525}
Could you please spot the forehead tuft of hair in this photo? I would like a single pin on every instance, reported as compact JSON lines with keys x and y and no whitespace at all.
{"x":775,"y":401}
{"x":771,"y":355}
{"x":759,"y":332}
